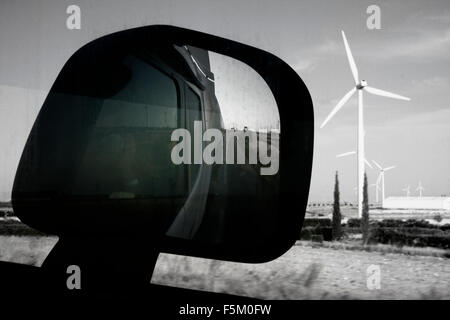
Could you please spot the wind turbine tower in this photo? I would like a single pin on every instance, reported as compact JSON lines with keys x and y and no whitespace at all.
{"x":377,"y":189}
{"x":420,"y":188}
{"x":407,"y":191}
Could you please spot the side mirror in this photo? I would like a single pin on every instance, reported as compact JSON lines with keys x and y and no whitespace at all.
{"x":132,"y":139}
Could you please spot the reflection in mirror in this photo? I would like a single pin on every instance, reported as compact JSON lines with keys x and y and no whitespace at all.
{"x":241,"y":141}
{"x":244,"y":98}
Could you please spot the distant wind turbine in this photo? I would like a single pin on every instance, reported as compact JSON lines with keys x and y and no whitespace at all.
{"x":420,"y":188}
{"x":381,"y":179}
{"x":407,"y":191}
{"x":360,"y":86}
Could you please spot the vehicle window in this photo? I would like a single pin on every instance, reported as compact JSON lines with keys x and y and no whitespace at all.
{"x":128,"y":152}
{"x":193,"y":113}
{"x":150,"y":94}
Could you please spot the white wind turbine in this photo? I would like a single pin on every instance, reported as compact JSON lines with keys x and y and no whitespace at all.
{"x":407,"y":191}
{"x":380,"y":179}
{"x":420,"y":188}
{"x":360,"y":85}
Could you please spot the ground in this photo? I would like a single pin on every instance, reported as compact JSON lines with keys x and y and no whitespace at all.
{"x":306,"y":271}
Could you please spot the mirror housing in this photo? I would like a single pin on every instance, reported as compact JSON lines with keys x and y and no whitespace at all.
{"x":43,"y":196}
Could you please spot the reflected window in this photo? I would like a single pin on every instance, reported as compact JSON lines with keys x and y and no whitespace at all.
{"x":193,"y":113}
{"x":128,"y":152}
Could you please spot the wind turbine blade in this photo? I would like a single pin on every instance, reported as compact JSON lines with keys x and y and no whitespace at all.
{"x":368,"y":163}
{"x":338,"y":106}
{"x":345,"y":154}
{"x":377,"y":164}
{"x":351,"y":61}
{"x":383,"y":93}
{"x":389,"y":168}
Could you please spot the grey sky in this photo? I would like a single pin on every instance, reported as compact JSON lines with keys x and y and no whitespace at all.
{"x":410,"y":56}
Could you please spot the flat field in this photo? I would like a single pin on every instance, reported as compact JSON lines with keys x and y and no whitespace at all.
{"x":306,"y":271}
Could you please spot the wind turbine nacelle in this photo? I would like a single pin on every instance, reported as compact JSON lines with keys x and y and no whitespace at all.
{"x":362,"y":84}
